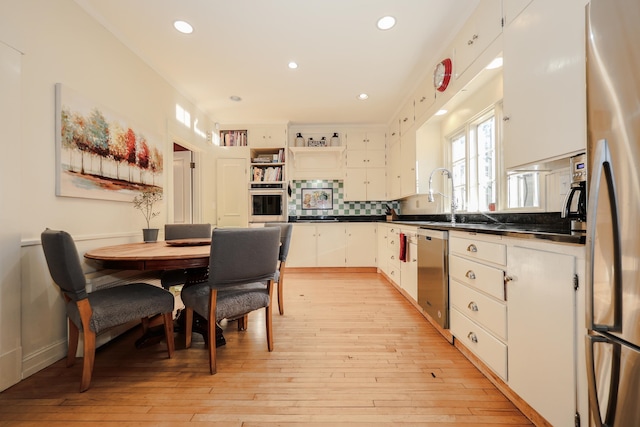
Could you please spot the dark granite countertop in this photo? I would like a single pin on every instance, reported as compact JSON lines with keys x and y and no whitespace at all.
{"x":544,"y":226}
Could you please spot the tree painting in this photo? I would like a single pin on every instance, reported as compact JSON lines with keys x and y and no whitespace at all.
{"x":99,"y":154}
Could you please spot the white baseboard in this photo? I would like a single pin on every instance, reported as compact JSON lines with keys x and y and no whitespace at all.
{"x":11,"y":367}
{"x":44,"y":357}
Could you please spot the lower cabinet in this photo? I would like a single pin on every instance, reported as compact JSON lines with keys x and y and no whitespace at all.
{"x":333,"y":245}
{"x":514,"y":304}
{"x":402,"y":273}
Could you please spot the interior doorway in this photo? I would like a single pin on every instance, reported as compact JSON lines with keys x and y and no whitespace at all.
{"x":182,"y":185}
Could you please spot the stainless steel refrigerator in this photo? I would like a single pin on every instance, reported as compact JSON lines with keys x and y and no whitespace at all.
{"x":613,"y":213}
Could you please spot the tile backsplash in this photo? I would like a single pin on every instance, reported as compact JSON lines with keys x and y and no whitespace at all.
{"x":340,"y":207}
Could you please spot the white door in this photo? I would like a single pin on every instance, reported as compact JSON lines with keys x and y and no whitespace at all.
{"x":10,"y":102}
{"x":182,"y":188}
{"x":232,"y":193}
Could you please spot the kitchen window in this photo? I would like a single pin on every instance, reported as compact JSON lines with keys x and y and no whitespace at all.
{"x":473,"y":157}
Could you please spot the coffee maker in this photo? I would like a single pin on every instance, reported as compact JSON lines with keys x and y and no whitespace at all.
{"x":575,"y":203}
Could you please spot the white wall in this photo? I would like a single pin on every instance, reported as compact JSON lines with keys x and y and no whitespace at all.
{"x":61,"y":43}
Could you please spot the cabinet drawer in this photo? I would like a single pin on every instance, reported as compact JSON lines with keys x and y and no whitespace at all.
{"x":485,"y":311}
{"x":489,"y":280}
{"x":479,"y":249}
{"x":488,"y":348}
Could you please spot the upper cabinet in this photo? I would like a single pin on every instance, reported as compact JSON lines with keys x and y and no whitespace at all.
{"x":268,"y":136}
{"x":512,"y":8}
{"x":423,"y":98}
{"x":482,"y":28}
{"x":407,"y":117}
{"x":544,"y":83}
{"x":366,"y":159}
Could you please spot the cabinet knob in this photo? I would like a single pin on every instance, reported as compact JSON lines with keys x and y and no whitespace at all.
{"x":423,"y":98}
{"x":472,"y":337}
{"x":508,"y":279}
{"x":473,"y":306}
{"x":471,"y":275}
{"x":472,"y":248}
{"x":506,"y":118}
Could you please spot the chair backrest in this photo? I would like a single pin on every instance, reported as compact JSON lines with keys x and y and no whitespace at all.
{"x":243,"y":255}
{"x":285,"y":237}
{"x":64,"y":263}
{"x":186,"y":231}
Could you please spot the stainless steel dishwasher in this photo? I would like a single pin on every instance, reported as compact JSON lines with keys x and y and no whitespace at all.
{"x":433,"y":274}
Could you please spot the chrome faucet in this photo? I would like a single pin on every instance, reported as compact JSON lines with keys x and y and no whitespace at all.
{"x":431,"y":199}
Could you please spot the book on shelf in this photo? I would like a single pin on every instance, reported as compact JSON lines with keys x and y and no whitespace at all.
{"x":267,"y":174}
{"x":233,"y":138}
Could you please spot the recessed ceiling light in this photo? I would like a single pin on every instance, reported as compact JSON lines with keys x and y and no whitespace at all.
{"x":293,"y":65}
{"x":235,"y":98}
{"x":183,"y":27}
{"x":441,"y":112}
{"x":496,"y":63}
{"x":386,"y":22}
{"x":363,"y":96}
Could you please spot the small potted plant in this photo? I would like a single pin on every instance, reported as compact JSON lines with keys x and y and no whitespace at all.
{"x":144,"y":203}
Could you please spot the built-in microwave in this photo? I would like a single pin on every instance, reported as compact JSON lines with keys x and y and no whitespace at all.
{"x":267,"y":205}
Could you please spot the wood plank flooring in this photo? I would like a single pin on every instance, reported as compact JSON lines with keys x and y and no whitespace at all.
{"x":349,"y":350}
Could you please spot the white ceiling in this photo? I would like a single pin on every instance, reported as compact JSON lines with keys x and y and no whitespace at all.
{"x":242,"y":48}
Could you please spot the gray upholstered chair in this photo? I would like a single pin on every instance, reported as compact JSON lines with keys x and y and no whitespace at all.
{"x":184,"y":231}
{"x":241,"y":261}
{"x":285,"y":242}
{"x":97,"y":311}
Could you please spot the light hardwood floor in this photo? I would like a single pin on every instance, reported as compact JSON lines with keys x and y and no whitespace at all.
{"x":350,"y":350}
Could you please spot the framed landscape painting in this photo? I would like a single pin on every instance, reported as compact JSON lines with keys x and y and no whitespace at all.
{"x":100,"y":155}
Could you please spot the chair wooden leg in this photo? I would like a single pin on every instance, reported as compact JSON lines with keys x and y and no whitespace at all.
{"x":268,"y":317}
{"x":213,"y":297}
{"x":188,"y":326}
{"x":168,"y":332}
{"x":89,"y":344}
{"x":281,"y":289}
{"x":243,"y":322}
{"x":146,"y":322}
{"x":74,"y":335}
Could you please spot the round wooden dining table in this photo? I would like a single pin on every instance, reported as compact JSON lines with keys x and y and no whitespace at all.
{"x":161,"y":255}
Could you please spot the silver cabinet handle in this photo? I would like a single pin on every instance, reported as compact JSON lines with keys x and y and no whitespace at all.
{"x":473,"y":306}
{"x":472,"y":337}
{"x":472,"y":248}
{"x":471,"y":275}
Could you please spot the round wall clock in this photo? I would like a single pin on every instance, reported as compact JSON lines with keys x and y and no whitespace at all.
{"x":442,"y":74}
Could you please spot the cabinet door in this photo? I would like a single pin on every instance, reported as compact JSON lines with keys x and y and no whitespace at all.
{"x":424,"y":98}
{"x":331,"y":245}
{"x":376,"y":158}
{"x":356,"y":140}
{"x":407,"y":117}
{"x":512,"y":8}
{"x":409,"y":271}
{"x":270,"y":136}
{"x":383,"y":263}
{"x":357,"y":158}
{"x":361,"y":245}
{"x":541,"y":325}
{"x":544,"y":81}
{"x":302,"y":248}
{"x":376,"y":184}
{"x":376,"y":140}
{"x":393,"y":175}
{"x":355,"y":185}
{"x":408,"y":163}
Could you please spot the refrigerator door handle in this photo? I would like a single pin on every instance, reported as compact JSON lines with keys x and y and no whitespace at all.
{"x":602,"y":169}
{"x":614,"y":375}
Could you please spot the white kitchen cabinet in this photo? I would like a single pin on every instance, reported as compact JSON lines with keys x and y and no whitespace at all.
{"x":383,"y":263}
{"x":512,"y":8}
{"x":544,"y":83}
{"x":365,"y":184}
{"x":478,"y":310}
{"x":542,"y":326}
{"x":394,"y":171}
{"x":361,"y":243}
{"x":409,"y":268}
{"x":423,"y":98}
{"x":408,"y":181}
{"x":365,"y":174}
{"x":302,"y":248}
{"x":340,"y":244}
{"x":393,"y":132}
{"x":407,"y":117}
{"x":267,"y":136}
{"x":480,"y":30}
{"x":388,"y":251}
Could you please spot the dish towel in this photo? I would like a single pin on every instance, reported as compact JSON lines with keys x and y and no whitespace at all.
{"x":403,"y":247}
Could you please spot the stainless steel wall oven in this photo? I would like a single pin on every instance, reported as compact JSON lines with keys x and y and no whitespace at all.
{"x":267,"y":203}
